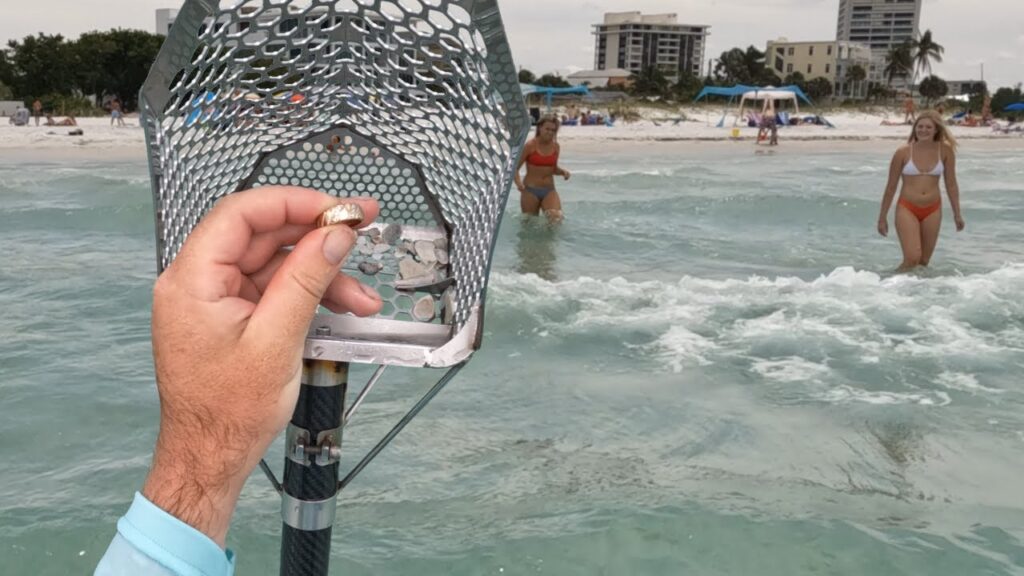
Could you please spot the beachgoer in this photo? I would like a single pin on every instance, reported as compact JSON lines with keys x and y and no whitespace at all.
{"x":908,"y":110}
{"x":69,"y":121}
{"x":234,"y":296}
{"x":116,"y":113}
{"x":986,"y":110}
{"x":773,"y":130}
{"x":541,"y":158}
{"x":37,"y":110}
{"x":929,"y":155}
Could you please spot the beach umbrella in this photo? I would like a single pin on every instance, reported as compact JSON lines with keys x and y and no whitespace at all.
{"x":1016,"y":107}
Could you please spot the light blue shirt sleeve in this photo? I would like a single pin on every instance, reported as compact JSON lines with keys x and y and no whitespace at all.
{"x":150,"y":541}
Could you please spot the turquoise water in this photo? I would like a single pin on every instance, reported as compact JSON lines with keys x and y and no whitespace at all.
{"x":709,"y":369}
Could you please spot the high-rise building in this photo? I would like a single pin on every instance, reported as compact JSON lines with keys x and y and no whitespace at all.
{"x":634,"y":41}
{"x":881,"y":24}
{"x":165,"y":19}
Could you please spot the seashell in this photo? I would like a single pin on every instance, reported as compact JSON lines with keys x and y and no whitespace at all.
{"x":425,"y":251}
{"x":425,"y":309}
{"x":370,"y":268}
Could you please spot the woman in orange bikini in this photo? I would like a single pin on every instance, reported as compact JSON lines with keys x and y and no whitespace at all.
{"x":928,"y":156}
{"x":541,"y":158}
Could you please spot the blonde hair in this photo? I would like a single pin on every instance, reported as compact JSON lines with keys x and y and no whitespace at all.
{"x":942,"y":133}
{"x":546,"y":119}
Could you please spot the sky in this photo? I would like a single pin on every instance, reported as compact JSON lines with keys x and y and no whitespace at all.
{"x":555,"y":35}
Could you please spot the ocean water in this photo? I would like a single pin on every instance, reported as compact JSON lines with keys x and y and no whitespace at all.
{"x":709,"y":369}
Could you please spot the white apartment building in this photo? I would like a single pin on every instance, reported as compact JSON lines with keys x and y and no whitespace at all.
{"x":634,"y":41}
{"x":881,"y":24}
{"x":165,"y":19}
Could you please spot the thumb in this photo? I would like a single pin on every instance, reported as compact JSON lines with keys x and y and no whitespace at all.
{"x":290,"y":301}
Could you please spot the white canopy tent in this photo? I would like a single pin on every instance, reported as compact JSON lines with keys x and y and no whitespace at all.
{"x":768,"y":98}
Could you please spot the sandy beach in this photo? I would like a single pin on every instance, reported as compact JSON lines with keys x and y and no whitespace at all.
{"x":687,"y":127}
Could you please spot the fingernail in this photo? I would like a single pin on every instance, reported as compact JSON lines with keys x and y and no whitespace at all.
{"x":369,"y":291}
{"x":337,"y":244}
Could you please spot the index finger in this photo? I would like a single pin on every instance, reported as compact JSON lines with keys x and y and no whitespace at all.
{"x":223,"y":236}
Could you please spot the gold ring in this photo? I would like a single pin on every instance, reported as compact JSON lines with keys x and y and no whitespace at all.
{"x":347,"y":214}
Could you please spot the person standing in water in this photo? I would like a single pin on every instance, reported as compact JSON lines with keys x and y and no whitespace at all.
{"x":929,"y":155}
{"x":541,"y":158}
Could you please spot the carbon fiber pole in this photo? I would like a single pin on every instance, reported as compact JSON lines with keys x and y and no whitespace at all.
{"x":306,"y":546}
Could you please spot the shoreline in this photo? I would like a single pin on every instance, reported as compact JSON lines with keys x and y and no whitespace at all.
{"x":101,"y":142}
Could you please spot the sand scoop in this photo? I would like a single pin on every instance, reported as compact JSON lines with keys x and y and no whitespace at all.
{"x":413,"y":102}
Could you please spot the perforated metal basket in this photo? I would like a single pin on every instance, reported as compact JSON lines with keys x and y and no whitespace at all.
{"x":413,"y":102}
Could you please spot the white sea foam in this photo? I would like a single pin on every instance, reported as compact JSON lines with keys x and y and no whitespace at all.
{"x":964,"y":383}
{"x":792,"y":369}
{"x":847,"y":317}
{"x":845,"y":394}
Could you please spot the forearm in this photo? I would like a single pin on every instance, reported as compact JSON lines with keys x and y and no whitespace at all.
{"x":954,"y":199}
{"x":887,"y":198}
{"x":197,"y":475}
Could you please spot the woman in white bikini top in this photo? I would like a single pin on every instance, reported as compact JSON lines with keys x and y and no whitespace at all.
{"x":919,"y":209}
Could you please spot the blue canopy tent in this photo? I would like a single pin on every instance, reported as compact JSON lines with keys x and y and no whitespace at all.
{"x":550,"y":92}
{"x":750,"y":92}
{"x":1015,"y":107}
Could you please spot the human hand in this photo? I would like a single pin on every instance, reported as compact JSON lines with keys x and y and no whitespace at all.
{"x":883,"y":226}
{"x":230,"y":317}
{"x":521,"y":187}
{"x":959,"y":222}
{"x":565,"y":174}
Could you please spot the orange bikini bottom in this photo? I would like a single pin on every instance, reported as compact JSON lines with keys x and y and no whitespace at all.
{"x":921,"y":212}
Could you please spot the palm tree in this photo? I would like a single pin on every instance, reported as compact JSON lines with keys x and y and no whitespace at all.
{"x":899,"y":61}
{"x":926,"y":50}
{"x":854,"y":76}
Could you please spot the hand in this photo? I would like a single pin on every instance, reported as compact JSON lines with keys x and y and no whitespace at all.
{"x":883,"y":226}
{"x":565,"y":174}
{"x":959,"y":222}
{"x":521,"y":187}
{"x":230,"y":317}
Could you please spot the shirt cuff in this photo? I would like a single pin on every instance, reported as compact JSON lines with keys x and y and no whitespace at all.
{"x":172,"y":543}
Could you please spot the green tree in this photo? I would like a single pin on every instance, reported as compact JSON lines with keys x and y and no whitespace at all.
{"x":1006,"y":96}
{"x":819,"y":89}
{"x":552,"y":81}
{"x":795,"y":79}
{"x":878,"y":92}
{"x":124,"y":58}
{"x":94,"y":52}
{"x":6,"y":69}
{"x":527,"y":77}
{"x":925,"y":51}
{"x":5,"y":92}
{"x":855,"y":76}
{"x":41,"y":65}
{"x":738,"y":66}
{"x":688,"y":86}
{"x":651,"y":81}
{"x":933,"y":88}
{"x":899,"y":63}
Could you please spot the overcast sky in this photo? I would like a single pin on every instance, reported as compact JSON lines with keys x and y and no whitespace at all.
{"x":555,"y":35}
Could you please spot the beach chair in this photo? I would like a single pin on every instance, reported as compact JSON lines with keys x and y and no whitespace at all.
{"x":20,"y":117}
